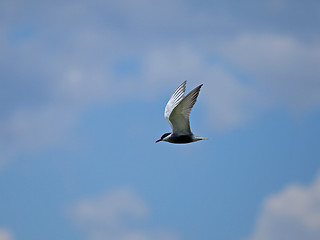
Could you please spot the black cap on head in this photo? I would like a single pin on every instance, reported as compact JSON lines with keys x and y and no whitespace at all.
{"x":165,"y":135}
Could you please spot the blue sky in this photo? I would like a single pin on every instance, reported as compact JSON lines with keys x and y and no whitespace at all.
{"x":83,"y":89}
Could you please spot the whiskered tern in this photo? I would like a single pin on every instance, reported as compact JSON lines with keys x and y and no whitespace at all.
{"x":177,"y":112}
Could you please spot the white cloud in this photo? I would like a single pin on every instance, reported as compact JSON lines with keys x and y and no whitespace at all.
{"x":28,"y":130}
{"x":117,"y":215}
{"x":283,"y":67}
{"x":173,"y":63}
{"x":57,"y":67}
{"x":5,"y":234}
{"x":230,"y":102}
{"x":291,"y":214}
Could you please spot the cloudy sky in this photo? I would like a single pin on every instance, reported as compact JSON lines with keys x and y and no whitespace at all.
{"x":83,"y":86}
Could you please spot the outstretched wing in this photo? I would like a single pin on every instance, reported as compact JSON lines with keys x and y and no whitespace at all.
{"x":176,"y":97}
{"x":179,"y":116}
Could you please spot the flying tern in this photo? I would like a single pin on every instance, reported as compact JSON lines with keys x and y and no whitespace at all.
{"x":177,"y":113}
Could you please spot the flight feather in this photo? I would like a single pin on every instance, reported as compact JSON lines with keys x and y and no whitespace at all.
{"x":178,"y":109}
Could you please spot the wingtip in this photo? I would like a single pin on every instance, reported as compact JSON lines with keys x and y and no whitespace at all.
{"x":184,"y":83}
{"x":199,"y":87}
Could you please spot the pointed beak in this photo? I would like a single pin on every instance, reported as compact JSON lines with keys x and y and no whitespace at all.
{"x":158,"y":140}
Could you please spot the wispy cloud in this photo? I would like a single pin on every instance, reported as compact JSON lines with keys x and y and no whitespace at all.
{"x":117,"y":215}
{"x":230,"y":103}
{"x":283,"y":68}
{"x":293,"y":213}
{"x":5,"y":234}
{"x":53,"y":69}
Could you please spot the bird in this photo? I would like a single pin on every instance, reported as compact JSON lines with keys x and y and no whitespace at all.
{"x":177,"y":113}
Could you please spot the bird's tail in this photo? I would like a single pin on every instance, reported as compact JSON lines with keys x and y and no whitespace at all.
{"x":200,"y":138}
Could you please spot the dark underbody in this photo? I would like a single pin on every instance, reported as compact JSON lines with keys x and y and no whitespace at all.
{"x":174,"y":138}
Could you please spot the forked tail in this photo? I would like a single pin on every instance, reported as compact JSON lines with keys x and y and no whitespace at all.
{"x":199,"y":138}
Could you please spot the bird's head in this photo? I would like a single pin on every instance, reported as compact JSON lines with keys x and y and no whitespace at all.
{"x":163,"y":137}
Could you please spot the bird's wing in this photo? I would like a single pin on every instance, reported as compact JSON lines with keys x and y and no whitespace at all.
{"x":176,"y":97}
{"x":179,"y":117}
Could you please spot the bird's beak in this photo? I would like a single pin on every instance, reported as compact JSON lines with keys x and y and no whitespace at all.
{"x":159,"y":140}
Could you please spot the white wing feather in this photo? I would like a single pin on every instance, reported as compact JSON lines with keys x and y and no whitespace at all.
{"x":176,"y":97}
{"x":179,"y":115}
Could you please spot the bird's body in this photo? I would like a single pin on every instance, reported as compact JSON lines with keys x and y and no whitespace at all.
{"x":177,"y":112}
{"x":179,"y":138}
